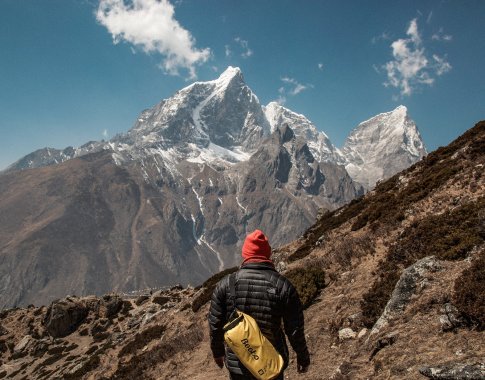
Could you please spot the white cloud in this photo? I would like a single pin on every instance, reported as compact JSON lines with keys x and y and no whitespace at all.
{"x":105,"y":133}
{"x":294,"y":87}
{"x":247,"y":52}
{"x":291,"y":87}
{"x":441,"y":65}
{"x":228,"y":51}
{"x":413,"y":32}
{"x":441,"y":36}
{"x":151,"y":26}
{"x":320,"y":66}
{"x":410,"y":67}
{"x":282,"y":96}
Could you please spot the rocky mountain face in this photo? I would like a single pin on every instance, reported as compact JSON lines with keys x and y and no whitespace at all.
{"x":396,"y":145}
{"x":393,"y":284}
{"x":171,"y":200}
{"x":318,"y":142}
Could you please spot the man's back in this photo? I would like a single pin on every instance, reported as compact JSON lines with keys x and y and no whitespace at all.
{"x":270,"y":299}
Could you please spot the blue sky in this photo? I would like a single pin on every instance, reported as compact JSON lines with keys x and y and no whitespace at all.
{"x":72,"y":71}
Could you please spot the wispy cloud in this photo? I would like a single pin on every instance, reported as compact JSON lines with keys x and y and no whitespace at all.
{"x":411,"y":68}
{"x":320,"y":66}
{"x":441,"y":65}
{"x":105,"y":133}
{"x":381,"y":37}
{"x":151,"y":26}
{"x":246,"y":51}
{"x":291,"y":87}
{"x":227,"y":50}
{"x":441,"y":36}
{"x":295,"y":86}
{"x":281,"y":96}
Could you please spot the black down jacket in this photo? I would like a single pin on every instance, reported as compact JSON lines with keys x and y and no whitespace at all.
{"x":270,"y":299}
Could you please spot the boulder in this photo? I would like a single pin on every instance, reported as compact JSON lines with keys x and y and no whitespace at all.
{"x":160,"y":299}
{"x":141,"y":299}
{"x":404,"y":289}
{"x":346,"y":333}
{"x":451,"y":318}
{"x":23,"y":344}
{"x":455,"y":371}
{"x":362,"y":333}
{"x":21,"y":348}
{"x":64,"y":316}
{"x":110,"y":306}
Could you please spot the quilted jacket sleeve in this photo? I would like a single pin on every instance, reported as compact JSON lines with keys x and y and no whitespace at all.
{"x":294,"y":323}
{"x":217,"y":318}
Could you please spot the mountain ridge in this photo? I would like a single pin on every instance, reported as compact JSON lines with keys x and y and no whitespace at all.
{"x":174,"y":124}
{"x":196,"y":173}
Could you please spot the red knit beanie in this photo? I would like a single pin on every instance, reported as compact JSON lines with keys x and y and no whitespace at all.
{"x":256,"y":248}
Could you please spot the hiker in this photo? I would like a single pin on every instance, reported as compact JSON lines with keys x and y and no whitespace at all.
{"x":269,"y":298}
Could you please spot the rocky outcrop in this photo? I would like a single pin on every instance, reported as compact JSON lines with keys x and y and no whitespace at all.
{"x":69,"y":339}
{"x":406,"y":286}
{"x":64,"y":316}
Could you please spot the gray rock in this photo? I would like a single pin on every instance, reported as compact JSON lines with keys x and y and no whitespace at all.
{"x":405,"y":288}
{"x":455,"y":371}
{"x":23,"y":347}
{"x":346,"y":333}
{"x":451,"y":318}
{"x":362,"y":333}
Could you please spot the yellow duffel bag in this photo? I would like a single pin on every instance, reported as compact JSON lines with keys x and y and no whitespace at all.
{"x":254,"y":351}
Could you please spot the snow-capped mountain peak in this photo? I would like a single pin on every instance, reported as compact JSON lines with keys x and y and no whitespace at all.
{"x":222,"y":122}
{"x":219,"y":119}
{"x":381,"y":146}
{"x":230,"y":74}
{"x":318,"y":142}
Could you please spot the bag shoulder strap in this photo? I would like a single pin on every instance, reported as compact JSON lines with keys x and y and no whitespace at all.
{"x":232,"y":289}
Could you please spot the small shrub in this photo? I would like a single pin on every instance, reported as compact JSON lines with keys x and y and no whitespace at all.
{"x":361,"y":222}
{"x":308,"y":283}
{"x":139,"y":365}
{"x":375,"y":300}
{"x":142,"y":339}
{"x":469,"y":292}
{"x":327,"y":222}
{"x":448,"y":236}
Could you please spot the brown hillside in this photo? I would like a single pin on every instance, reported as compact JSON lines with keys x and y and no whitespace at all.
{"x":403,"y":295}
